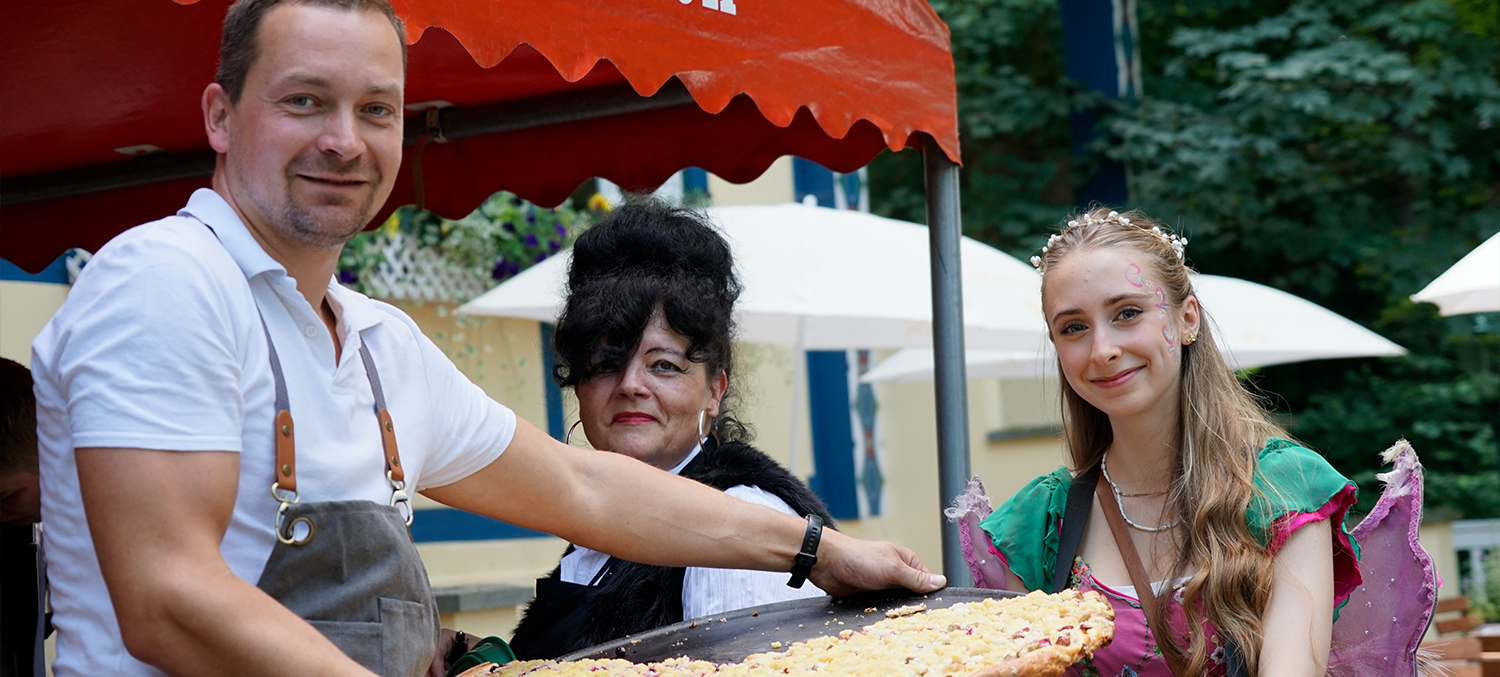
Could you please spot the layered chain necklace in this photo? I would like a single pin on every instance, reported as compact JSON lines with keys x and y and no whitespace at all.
{"x":1120,"y":500}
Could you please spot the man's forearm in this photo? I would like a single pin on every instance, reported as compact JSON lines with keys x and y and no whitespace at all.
{"x":623,"y":507}
{"x":179,"y":606}
{"x":619,"y":505}
{"x":222,"y":625}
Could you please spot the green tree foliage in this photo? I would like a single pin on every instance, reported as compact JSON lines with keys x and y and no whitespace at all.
{"x":1345,"y":152}
{"x":1013,"y":110}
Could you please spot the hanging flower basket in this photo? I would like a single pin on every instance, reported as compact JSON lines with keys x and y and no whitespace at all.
{"x":419,"y":256}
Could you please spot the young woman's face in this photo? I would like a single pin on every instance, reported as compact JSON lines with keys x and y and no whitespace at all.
{"x":1117,"y":335}
{"x":649,"y":409}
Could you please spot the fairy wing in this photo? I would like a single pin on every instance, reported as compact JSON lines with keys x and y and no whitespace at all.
{"x":1378,"y":631}
{"x":968,"y":510}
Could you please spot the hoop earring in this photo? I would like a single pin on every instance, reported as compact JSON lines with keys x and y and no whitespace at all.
{"x":701,"y":437}
{"x":568,"y":438}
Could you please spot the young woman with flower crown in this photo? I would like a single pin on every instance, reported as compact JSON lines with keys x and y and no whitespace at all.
{"x":1239,"y":528}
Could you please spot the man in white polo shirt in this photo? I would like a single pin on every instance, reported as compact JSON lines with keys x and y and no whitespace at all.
{"x":229,"y":438}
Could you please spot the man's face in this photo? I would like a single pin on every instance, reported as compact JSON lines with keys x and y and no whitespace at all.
{"x":314,"y":144}
{"x":20,"y":498}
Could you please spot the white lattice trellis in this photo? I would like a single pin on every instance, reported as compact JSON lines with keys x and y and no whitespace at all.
{"x":408,"y":272}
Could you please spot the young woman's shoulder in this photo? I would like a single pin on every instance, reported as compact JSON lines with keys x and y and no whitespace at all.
{"x":1296,"y":487}
{"x":1024,"y":530}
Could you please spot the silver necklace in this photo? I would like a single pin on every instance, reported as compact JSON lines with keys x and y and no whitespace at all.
{"x":1120,"y":501}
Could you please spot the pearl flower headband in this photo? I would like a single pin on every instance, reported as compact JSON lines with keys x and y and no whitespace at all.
{"x":1176,"y":242}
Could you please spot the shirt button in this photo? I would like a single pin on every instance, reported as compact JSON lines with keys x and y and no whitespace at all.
{"x":310,"y":331}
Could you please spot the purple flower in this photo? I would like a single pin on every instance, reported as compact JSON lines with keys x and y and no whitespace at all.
{"x":509,"y":227}
{"x":531,"y":217}
{"x":541,"y":257}
{"x":502,"y":269}
{"x":554,"y":245}
{"x":347,"y":276}
{"x":531,"y":240}
{"x":562,"y":231}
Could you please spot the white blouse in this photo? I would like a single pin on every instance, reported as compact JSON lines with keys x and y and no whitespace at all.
{"x":707,"y":591}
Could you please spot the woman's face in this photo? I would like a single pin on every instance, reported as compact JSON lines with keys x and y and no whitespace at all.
{"x":1117,"y":336}
{"x":649,"y":410}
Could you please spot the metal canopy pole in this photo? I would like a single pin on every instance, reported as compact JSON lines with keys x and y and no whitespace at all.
{"x":945,"y":233}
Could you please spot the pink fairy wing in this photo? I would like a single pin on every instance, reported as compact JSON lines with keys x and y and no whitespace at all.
{"x":1378,"y":631}
{"x":968,"y":509}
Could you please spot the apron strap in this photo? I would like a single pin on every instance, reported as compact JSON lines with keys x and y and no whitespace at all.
{"x":286,"y":440}
{"x":285,"y":431}
{"x":393,"y":469}
{"x":286,"y":445}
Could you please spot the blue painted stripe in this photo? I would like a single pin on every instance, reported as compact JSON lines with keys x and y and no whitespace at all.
{"x":432,"y":525}
{"x":832,"y":432}
{"x":811,"y":178}
{"x":694,"y":179}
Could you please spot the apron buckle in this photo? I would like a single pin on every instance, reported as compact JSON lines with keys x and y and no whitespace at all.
{"x":399,"y":498}
{"x":288,"y":535}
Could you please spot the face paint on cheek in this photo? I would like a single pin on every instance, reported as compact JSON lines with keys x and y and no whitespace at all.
{"x":1136,"y":279}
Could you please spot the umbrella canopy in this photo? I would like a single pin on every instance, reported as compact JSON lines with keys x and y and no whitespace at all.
{"x":1255,"y":326}
{"x":1471,"y":286}
{"x":536,"y":96}
{"x":827,"y":279}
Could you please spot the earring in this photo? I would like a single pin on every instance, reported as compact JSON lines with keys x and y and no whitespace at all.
{"x":1192,"y":338}
{"x":701,"y":436}
{"x":568,"y":438}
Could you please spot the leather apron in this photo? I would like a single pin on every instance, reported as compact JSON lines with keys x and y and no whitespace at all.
{"x":349,"y":567}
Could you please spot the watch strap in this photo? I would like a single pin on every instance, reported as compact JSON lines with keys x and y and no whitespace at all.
{"x":802,"y":565}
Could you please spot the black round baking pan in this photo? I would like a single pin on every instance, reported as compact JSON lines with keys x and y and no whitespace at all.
{"x":730,"y":637}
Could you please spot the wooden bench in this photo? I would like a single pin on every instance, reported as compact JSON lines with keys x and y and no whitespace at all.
{"x":1465,"y":655}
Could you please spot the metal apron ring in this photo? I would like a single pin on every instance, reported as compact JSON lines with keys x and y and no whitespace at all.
{"x":284,"y":487}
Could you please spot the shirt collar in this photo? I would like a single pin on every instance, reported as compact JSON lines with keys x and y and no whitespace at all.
{"x":354,"y":310}
{"x":678,"y":470}
{"x":210,"y":208}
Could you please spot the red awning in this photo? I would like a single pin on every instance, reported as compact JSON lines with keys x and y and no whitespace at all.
{"x":548,"y":92}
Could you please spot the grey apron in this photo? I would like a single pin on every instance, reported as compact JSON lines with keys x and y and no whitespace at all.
{"x":349,"y":567}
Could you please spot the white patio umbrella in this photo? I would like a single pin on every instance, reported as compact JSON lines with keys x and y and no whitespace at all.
{"x":1256,"y":326}
{"x":826,"y":279}
{"x":1471,"y":286}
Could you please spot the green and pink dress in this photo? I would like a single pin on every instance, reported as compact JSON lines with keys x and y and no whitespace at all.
{"x":1296,"y":486}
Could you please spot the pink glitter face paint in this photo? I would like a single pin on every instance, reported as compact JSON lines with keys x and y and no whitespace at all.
{"x":1136,"y":279}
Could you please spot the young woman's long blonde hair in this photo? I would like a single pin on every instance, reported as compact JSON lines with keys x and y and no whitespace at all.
{"x":1220,"y":431}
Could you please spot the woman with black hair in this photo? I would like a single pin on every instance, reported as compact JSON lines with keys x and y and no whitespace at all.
{"x":646,"y":343}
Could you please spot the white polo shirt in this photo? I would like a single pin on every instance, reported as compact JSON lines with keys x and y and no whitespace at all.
{"x":159,"y":346}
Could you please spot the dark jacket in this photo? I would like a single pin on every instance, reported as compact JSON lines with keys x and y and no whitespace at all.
{"x":638,"y":597}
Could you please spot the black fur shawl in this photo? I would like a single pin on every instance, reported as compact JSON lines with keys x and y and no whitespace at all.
{"x":639,"y":597}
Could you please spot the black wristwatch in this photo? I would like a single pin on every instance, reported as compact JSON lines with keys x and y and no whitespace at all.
{"x":802,"y":566}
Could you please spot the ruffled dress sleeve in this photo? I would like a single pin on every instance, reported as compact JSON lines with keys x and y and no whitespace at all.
{"x":1024,"y":531}
{"x":1297,"y":487}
